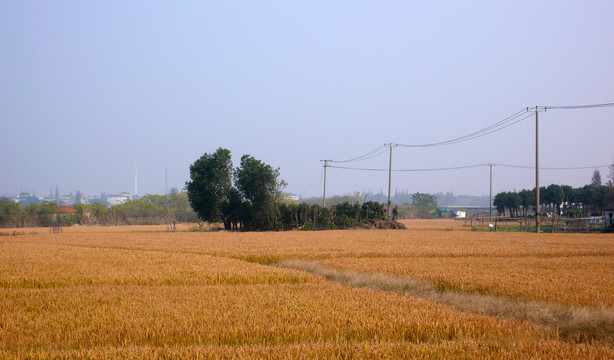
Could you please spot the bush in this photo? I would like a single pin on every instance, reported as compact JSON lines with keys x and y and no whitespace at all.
{"x":308,"y":226}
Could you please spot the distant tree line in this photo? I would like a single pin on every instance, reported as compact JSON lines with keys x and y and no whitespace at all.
{"x":420,"y":205}
{"x":401,"y":198}
{"x":149,"y":210}
{"x":562,"y":200}
{"x":339,"y":216}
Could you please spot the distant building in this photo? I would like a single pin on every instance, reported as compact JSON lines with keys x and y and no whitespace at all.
{"x":67,"y":200}
{"x":445,"y":212}
{"x":67,"y":209}
{"x":26,"y":199}
{"x":459,"y":214}
{"x":448,"y":213}
{"x":118,"y":199}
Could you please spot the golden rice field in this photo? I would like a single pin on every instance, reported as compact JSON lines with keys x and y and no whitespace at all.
{"x":143,"y":292}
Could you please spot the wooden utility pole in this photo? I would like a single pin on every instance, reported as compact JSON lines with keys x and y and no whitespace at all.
{"x":324,"y":196}
{"x":537,"y":225}
{"x":537,"y":216}
{"x":490,"y":212}
{"x":389,"y":181}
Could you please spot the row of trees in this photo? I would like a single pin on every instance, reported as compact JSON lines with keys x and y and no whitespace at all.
{"x":340,"y":216}
{"x":250,"y":197}
{"x":563,"y":200}
{"x":149,"y":210}
{"x":352,"y":214}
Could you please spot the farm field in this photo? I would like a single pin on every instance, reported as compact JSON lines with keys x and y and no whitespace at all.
{"x":143,"y":292}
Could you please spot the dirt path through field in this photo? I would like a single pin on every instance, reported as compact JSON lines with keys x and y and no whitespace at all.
{"x":572,"y":323}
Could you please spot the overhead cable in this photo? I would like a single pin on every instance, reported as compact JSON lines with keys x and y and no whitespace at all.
{"x":507,"y":122}
{"x":375,"y":152}
{"x":470,"y":166}
{"x":554,"y":168}
{"x":498,"y":126}
{"x":570,"y":107}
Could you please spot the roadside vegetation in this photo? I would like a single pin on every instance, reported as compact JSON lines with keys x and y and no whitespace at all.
{"x":149,"y":210}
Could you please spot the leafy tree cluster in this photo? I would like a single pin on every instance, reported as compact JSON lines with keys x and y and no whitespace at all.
{"x":426,"y":205}
{"x":13,"y":214}
{"x":149,"y":210}
{"x":250,"y":198}
{"x":355,"y":198}
{"x":340,"y":216}
{"x":563,"y":200}
{"x":247,"y":197}
{"x":174,"y":208}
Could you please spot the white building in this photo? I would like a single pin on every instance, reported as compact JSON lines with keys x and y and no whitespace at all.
{"x":459,"y":214}
{"x":118,"y":199}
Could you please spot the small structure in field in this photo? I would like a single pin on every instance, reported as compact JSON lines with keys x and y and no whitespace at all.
{"x":445,"y":212}
{"x":459,"y":214}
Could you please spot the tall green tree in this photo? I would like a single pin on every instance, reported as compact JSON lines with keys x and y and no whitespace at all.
{"x":568,"y":197}
{"x":176,"y":207}
{"x":426,"y":204}
{"x":508,"y":200}
{"x":259,"y":186}
{"x":209,"y":185}
{"x":527,"y":200}
{"x":555,"y":196}
{"x":596,"y":179}
{"x":11,"y":213}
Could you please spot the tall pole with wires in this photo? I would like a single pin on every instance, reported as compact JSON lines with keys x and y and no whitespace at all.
{"x":537,"y":204}
{"x":324,"y":196}
{"x":537,"y":225}
{"x":389,"y":181}
{"x":490,"y":204}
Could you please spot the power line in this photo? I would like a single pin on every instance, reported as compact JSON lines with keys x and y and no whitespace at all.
{"x":375,"y":152}
{"x":500,"y":125}
{"x":571,"y":107}
{"x":470,"y":166}
{"x":554,"y":168}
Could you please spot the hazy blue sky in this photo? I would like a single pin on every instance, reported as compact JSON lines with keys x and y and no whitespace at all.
{"x":88,"y":89}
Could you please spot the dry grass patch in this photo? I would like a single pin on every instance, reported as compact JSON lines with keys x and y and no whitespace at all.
{"x":464,"y":349}
{"x":435,"y":224}
{"x":40,"y":265}
{"x":330,"y":244}
{"x":574,"y":324}
{"x":89,"y":317}
{"x":569,"y":280}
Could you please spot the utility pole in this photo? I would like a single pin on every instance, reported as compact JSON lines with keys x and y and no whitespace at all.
{"x":389,"y":180}
{"x":537,"y":225}
{"x":324,"y":196}
{"x":491,"y":165}
{"x":537,"y":220}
